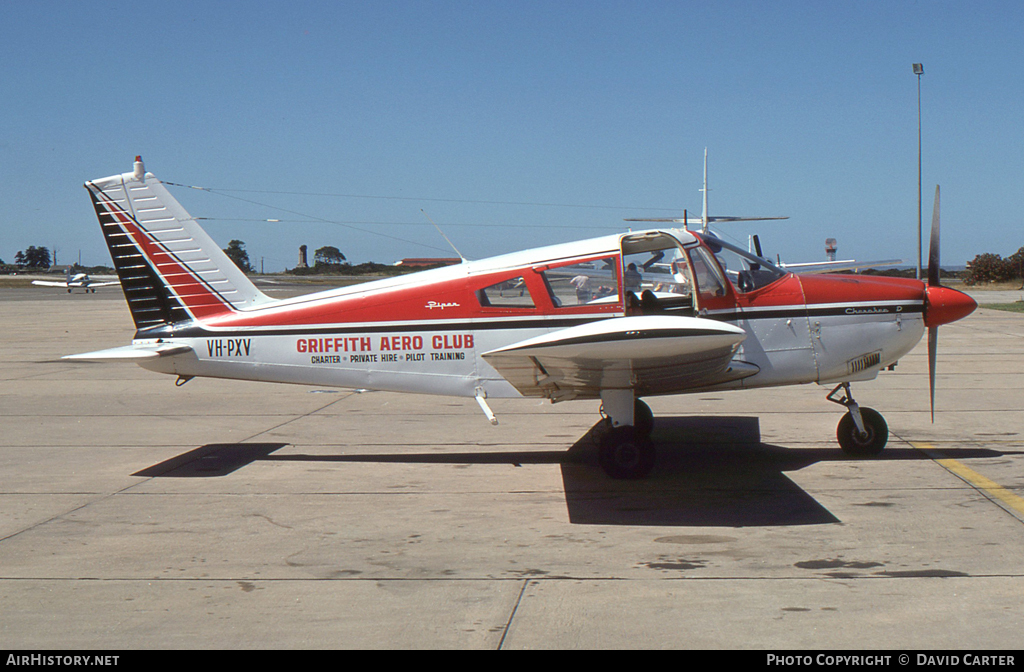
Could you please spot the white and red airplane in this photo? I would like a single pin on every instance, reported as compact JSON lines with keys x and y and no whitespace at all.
{"x":76,"y":281}
{"x":616,"y":318}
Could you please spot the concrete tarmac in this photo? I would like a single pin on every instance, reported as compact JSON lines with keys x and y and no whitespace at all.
{"x":140,"y":515}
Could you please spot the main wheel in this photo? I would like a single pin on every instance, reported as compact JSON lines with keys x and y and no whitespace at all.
{"x":643,"y":418}
{"x":870,"y":443}
{"x":626,"y":454}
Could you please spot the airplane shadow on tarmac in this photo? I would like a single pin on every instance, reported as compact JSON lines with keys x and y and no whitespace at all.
{"x":712,"y":471}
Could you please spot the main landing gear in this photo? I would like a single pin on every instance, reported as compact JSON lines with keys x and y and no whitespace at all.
{"x":626,"y":449}
{"x":627,"y":452}
{"x":862,"y":432}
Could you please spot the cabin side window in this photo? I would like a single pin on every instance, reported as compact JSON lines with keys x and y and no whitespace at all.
{"x":662,"y":270}
{"x":512,"y":293}
{"x":709,"y":281}
{"x":587,"y":283}
{"x":744,"y":270}
{"x":656,"y":275}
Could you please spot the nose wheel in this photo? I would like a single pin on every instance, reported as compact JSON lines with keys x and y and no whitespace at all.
{"x":866,"y":443}
{"x":862,"y":432}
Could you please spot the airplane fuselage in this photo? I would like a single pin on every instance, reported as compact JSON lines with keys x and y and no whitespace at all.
{"x":428,"y":332}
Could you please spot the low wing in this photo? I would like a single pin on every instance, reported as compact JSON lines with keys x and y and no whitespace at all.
{"x":129,"y":353}
{"x":835,"y":266}
{"x":650,"y":354}
{"x":700,"y":220}
{"x":65,"y":285}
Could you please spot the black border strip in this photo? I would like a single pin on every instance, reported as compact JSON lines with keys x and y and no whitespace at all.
{"x":198,"y":330}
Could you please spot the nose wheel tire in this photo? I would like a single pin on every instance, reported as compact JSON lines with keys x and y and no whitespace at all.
{"x":626,"y":454}
{"x":868,"y":444}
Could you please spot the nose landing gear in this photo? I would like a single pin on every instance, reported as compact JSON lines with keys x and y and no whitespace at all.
{"x":862,"y":432}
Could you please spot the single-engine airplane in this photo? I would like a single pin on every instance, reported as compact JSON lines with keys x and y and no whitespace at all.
{"x":76,"y":281}
{"x":616,"y":318}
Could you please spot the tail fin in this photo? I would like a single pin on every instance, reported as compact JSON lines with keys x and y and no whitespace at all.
{"x":169,"y":268}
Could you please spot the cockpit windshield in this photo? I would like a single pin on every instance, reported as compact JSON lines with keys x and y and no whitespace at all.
{"x":744,"y":270}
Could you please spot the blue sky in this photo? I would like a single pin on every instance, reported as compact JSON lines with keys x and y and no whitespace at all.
{"x":516,"y":124}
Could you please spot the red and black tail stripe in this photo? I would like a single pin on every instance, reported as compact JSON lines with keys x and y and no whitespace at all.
{"x":150,"y":301}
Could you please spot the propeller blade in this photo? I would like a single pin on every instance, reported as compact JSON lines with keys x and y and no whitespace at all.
{"x":933,"y":281}
{"x":933,"y":248}
{"x":933,"y":346}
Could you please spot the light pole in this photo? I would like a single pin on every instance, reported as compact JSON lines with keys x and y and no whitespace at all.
{"x":918,"y":70}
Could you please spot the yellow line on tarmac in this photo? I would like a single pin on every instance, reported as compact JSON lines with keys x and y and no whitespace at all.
{"x":988,"y":487}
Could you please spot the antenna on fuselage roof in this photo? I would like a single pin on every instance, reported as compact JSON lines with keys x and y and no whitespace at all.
{"x":704,"y":192}
{"x":442,"y":235}
{"x":705,"y":218}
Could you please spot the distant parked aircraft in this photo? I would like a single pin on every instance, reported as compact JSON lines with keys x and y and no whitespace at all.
{"x":81,"y":280}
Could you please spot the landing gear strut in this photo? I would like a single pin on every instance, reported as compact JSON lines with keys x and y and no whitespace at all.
{"x":626,"y":450}
{"x":862,"y":432}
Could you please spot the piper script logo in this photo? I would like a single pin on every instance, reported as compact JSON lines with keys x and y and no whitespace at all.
{"x":434,"y":304}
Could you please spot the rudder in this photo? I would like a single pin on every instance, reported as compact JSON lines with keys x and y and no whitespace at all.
{"x":169,"y":268}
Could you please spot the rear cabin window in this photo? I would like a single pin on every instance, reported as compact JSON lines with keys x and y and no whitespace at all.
{"x":587,"y":283}
{"x":506,"y":294}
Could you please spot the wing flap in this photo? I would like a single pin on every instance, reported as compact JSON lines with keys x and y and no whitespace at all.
{"x":648,"y":354}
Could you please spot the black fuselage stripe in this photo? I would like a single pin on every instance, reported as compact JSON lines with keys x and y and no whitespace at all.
{"x":852,"y":310}
{"x":194,"y":330}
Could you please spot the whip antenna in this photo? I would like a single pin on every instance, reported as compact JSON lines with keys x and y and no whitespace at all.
{"x":442,"y":234}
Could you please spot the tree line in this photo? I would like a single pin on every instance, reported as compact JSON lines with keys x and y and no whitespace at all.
{"x":33,"y":257}
{"x":990,"y":267}
{"x":984,"y":268}
{"x":326,"y":259}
